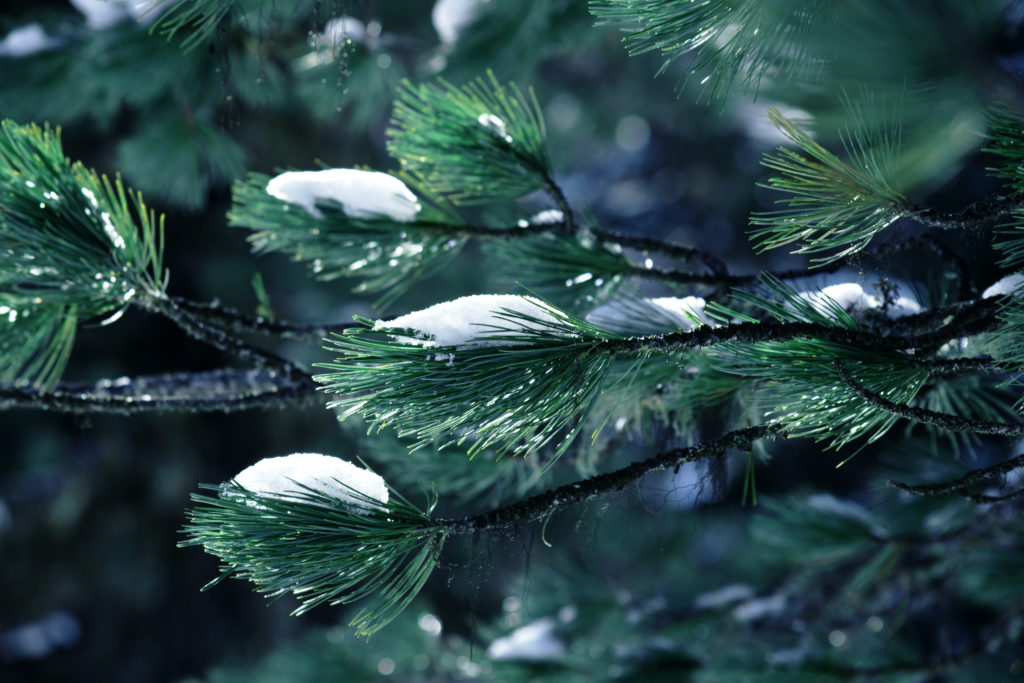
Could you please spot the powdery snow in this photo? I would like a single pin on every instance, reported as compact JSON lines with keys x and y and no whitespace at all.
{"x":284,"y":477}
{"x":145,"y":12}
{"x":101,"y":14}
{"x":27,"y":40}
{"x":534,"y":642}
{"x":362,"y":194}
{"x":547,"y":217}
{"x":451,"y":16}
{"x":343,"y":28}
{"x":852,"y":298}
{"x":1005,"y":286}
{"x":462,"y":323}
{"x":726,"y":595}
{"x":760,"y":608}
{"x":495,"y":126}
{"x":620,"y":316}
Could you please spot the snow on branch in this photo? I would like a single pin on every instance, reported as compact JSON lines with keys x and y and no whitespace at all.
{"x":350,"y":223}
{"x":322,"y":529}
{"x":504,"y":371}
{"x":361,"y":194}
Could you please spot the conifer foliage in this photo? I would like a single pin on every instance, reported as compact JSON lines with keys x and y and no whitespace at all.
{"x":622,"y":351}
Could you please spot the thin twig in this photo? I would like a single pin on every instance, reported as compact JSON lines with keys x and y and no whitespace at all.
{"x":219,"y":339}
{"x":948,"y":421}
{"x":982,"y":214}
{"x":221,"y":391}
{"x":970,"y":479}
{"x":540,"y":506}
{"x":555,"y":192}
{"x":238,"y":322}
{"x":979,"y":316}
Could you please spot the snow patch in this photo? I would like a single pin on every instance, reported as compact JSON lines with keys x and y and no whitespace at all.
{"x":1003,"y":287}
{"x":534,"y":642}
{"x":723,"y":596}
{"x":495,"y":126}
{"x":548,"y":217}
{"x":760,"y":608}
{"x":343,"y":28}
{"x":451,"y":16}
{"x":468,"y":322}
{"x":102,"y":14}
{"x":285,"y":477}
{"x":28,"y":40}
{"x":650,"y":315}
{"x":362,"y":194}
{"x":852,"y":298}
{"x":145,"y":12}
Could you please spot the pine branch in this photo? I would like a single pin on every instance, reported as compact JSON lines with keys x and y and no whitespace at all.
{"x":239,"y":323}
{"x":978,"y":216}
{"x":198,"y":20}
{"x":517,"y":381}
{"x":481,"y":143}
{"x":970,"y":479}
{"x":544,"y":504}
{"x":975,"y":317}
{"x":73,"y":246}
{"x":219,"y":391}
{"x":946,"y":421}
{"x":321,"y":549}
{"x":834,"y":205}
{"x":729,"y":41}
{"x":216,"y":337}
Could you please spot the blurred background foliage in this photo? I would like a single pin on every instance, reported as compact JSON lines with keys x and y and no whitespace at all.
{"x":92,"y":586}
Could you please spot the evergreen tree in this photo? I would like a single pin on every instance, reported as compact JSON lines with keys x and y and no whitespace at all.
{"x":792,"y":457}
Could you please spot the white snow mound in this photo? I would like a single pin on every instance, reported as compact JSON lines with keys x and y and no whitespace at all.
{"x":285,"y":476}
{"x":464,"y":322}
{"x":362,"y":194}
{"x":1005,"y":286}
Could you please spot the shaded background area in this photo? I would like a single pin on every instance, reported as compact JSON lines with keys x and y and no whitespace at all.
{"x":92,"y":586}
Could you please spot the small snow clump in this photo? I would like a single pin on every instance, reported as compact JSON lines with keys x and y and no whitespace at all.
{"x":852,"y":298}
{"x":451,"y":16}
{"x":362,"y":194}
{"x":467,"y":322}
{"x":726,"y":595}
{"x":759,"y":608}
{"x":344,"y":28}
{"x":145,"y":12}
{"x":535,"y":642}
{"x":285,"y":477}
{"x":28,"y":40}
{"x":102,"y":14}
{"x":547,"y":217}
{"x":494,"y":125}
{"x":1006,"y":285}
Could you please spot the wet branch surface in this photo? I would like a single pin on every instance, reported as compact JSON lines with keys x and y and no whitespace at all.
{"x":222,"y":391}
{"x":539,"y":506}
